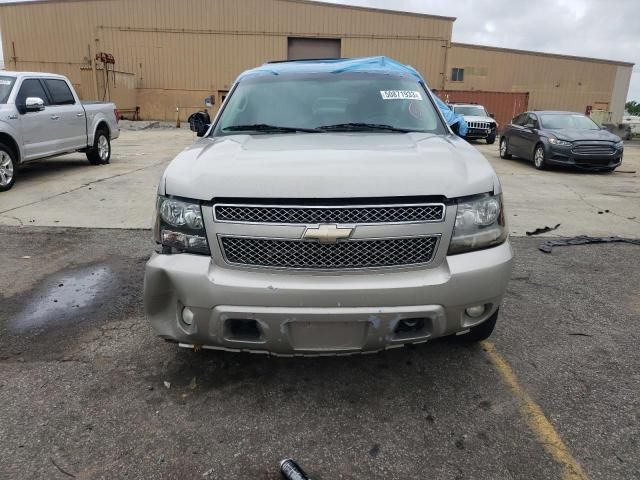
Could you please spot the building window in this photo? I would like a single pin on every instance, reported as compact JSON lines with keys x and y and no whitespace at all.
{"x":457,"y":74}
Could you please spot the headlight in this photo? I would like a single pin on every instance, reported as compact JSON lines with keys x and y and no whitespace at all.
{"x":620,"y":145}
{"x":479,"y":224}
{"x":561,"y":143}
{"x":179,"y":226}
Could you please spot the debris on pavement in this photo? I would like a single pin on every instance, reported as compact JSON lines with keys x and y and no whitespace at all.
{"x":548,"y":245}
{"x":545,"y":229}
{"x":290,"y":470}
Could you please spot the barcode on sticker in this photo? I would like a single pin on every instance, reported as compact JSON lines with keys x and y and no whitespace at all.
{"x":400,"y":95}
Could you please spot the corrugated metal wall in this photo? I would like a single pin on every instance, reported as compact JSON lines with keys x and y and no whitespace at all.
{"x":504,"y":105}
{"x":553,"y":82}
{"x":180,"y":52}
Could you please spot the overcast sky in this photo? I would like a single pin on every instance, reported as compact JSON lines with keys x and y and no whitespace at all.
{"x":592,"y":28}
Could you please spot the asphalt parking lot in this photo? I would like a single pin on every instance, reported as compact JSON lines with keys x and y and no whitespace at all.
{"x":88,"y":392}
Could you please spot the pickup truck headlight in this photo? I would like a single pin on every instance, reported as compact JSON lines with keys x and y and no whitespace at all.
{"x":179,"y":226}
{"x":560,"y":143}
{"x":479,"y":224}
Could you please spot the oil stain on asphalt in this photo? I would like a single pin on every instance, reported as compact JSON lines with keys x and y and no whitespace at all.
{"x":64,"y":298}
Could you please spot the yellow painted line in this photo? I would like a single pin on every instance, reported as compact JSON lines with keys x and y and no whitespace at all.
{"x":535,"y":417}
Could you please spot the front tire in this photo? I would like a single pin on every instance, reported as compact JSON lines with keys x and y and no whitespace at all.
{"x":504,"y":148}
{"x":539,"y":157}
{"x":8,"y":168}
{"x":100,"y":153}
{"x":491,"y":139}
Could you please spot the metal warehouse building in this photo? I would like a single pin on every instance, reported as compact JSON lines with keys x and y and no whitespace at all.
{"x":157,"y":56}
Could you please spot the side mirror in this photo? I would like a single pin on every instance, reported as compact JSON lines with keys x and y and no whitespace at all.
{"x":202,"y":130}
{"x":33,"y":104}
{"x":208,"y":101}
{"x":492,"y":115}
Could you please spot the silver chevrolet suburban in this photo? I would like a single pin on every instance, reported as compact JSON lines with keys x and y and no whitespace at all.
{"x":328,"y":209}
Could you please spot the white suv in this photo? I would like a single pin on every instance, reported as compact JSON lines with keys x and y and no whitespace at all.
{"x":481,"y":124}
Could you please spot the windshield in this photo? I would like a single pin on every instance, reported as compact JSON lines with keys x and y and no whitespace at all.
{"x":557,"y":121}
{"x":470,"y":111}
{"x":6,"y":84}
{"x":329,"y":102}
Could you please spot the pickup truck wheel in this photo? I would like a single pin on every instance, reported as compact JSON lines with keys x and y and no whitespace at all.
{"x":8,"y":170}
{"x":479,"y":332}
{"x":100,"y":153}
{"x":504,"y":148}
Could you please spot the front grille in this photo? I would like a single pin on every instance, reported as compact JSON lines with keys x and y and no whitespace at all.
{"x":430,"y":212}
{"x":349,"y":254}
{"x":479,"y":125}
{"x":594,"y":149}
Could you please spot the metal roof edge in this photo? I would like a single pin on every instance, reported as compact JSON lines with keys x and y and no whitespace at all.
{"x":374,"y":9}
{"x":543,"y":54}
{"x":308,"y":2}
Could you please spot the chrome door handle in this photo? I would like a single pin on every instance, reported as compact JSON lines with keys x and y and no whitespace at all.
{"x":79,"y":114}
{"x":13,"y":117}
{"x":55,"y":117}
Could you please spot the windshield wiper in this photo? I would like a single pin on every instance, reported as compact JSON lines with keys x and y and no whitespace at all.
{"x":263,"y":127}
{"x":362,"y":127}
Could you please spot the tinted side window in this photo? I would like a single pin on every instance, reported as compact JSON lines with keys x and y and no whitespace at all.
{"x":519,"y":120}
{"x":31,"y":88}
{"x":60,"y":92}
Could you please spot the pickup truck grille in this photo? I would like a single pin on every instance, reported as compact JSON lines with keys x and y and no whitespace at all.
{"x":366,"y":214}
{"x":347,"y":254}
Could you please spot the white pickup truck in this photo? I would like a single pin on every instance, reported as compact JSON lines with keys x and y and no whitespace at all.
{"x":41,"y":116}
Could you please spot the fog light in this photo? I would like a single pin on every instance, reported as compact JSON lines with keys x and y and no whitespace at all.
{"x":475,"y":311}
{"x":187,"y":316}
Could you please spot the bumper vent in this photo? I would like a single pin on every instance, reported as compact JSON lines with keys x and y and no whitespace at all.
{"x":432,"y":212}
{"x":349,"y":254}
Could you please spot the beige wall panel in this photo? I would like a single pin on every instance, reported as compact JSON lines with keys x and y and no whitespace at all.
{"x":426,"y":56}
{"x":559,"y":83}
{"x":620,"y":91}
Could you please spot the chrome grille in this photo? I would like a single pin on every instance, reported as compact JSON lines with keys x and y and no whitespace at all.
{"x":350,"y":254}
{"x":479,"y":125}
{"x":594,"y":149}
{"x":430,"y":212}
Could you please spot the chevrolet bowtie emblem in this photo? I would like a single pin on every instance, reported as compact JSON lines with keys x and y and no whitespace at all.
{"x":327,"y":233}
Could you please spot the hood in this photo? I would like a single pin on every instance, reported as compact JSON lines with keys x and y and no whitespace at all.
{"x":329,"y":165}
{"x":573,"y":135}
{"x":478,"y":118}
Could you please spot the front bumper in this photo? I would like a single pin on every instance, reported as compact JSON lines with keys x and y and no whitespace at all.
{"x":312,"y":314}
{"x":561,"y":155}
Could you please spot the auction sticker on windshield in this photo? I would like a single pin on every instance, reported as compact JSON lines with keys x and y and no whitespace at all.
{"x":400,"y":95}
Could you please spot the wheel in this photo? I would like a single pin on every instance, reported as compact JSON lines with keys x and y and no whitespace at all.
{"x":539,"y":157}
{"x":8,"y":168}
{"x":100,"y":153}
{"x":480,"y":332}
{"x":491,"y":139}
{"x":504,"y":148}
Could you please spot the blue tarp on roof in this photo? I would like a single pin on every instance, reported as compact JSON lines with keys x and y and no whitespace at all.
{"x":380,"y":64}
